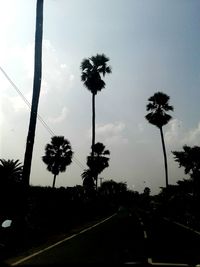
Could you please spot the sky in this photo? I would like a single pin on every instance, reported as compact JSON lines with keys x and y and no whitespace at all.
{"x":153,"y":45}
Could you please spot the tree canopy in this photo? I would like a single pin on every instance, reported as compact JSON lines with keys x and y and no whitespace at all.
{"x":10,"y":171}
{"x":189,"y":158}
{"x":58,"y":155}
{"x":92,"y":69}
{"x":158,"y":106}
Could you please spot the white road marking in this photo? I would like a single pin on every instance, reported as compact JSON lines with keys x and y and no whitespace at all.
{"x":133,"y":262}
{"x":142,"y":224}
{"x":166,"y":264}
{"x":182,"y":225}
{"x":145,"y":234}
{"x":60,"y":242}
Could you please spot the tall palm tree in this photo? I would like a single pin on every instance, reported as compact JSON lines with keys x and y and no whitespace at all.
{"x":58,"y":155}
{"x":159,"y":106}
{"x":36,"y":93}
{"x":99,"y":161}
{"x":93,"y":69}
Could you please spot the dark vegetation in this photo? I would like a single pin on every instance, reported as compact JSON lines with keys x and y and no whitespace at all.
{"x":51,"y":212}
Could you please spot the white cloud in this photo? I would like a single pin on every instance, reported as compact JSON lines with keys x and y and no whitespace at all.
{"x":174,"y":132}
{"x":141,"y":127}
{"x":55,"y":74}
{"x":193,"y":136}
{"x":111,"y":133}
{"x":60,"y":118}
{"x":177,"y":136}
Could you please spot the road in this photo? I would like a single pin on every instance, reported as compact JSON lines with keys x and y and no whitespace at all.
{"x":125,"y":238}
{"x":116,"y":241}
{"x":169,"y":242}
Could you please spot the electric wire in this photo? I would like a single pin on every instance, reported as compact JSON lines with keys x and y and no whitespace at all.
{"x":38,"y":115}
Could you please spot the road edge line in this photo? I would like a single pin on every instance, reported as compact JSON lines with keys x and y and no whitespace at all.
{"x":150,"y":261}
{"x":60,"y":242}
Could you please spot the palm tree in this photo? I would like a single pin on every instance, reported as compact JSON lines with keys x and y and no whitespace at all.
{"x":10,"y":171}
{"x":99,"y":161}
{"x":36,"y":93}
{"x":88,"y":179}
{"x":58,"y":155}
{"x":93,"y":69}
{"x":158,"y":106}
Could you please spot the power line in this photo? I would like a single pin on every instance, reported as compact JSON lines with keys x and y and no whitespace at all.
{"x":38,"y":116}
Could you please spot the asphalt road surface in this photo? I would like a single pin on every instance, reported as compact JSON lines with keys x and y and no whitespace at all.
{"x":125,"y":238}
{"x":118,"y":240}
{"x":169,"y":242}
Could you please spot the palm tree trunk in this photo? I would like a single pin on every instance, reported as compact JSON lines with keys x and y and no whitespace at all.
{"x":93,"y":133}
{"x":36,"y":93}
{"x":93,"y":123}
{"x":54,"y":181}
{"x":96,"y":178}
{"x":165,"y":156}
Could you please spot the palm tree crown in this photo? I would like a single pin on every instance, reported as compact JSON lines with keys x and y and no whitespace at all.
{"x":88,"y":179}
{"x":92,"y":68}
{"x":100,"y":160}
{"x":158,"y":106}
{"x":11,"y":170}
{"x":58,"y":155}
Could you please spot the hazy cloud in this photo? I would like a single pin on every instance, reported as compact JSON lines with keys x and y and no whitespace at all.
{"x":55,"y":74}
{"x":111,"y":133}
{"x":60,"y":118}
{"x":193,"y":136}
{"x":176,"y":135}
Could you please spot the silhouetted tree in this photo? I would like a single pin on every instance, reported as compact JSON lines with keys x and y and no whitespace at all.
{"x":147,"y":191}
{"x":88,"y":179}
{"x":10,"y":171}
{"x":189,"y":158}
{"x":186,"y":185}
{"x":11,"y":191}
{"x":92,"y":69}
{"x":158,"y":106}
{"x":36,"y":92}
{"x":58,"y":155}
{"x":99,"y":161}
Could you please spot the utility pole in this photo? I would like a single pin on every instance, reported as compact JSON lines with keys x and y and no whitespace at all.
{"x":36,"y":93}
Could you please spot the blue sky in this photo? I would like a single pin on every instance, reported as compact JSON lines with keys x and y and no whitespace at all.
{"x":153,"y":45}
